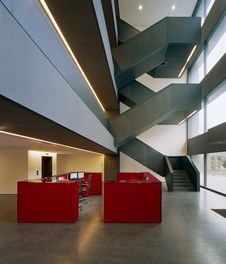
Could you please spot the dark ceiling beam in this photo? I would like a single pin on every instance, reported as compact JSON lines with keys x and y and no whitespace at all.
{"x":19,"y":120}
{"x":110,"y":23}
{"x":78,"y":23}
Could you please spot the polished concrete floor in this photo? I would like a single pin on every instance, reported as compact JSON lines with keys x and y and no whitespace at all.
{"x":190,"y":233}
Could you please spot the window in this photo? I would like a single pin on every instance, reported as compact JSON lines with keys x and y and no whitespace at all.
{"x":204,"y":9}
{"x":216,"y":171}
{"x":200,"y":12}
{"x":216,"y":45}
{"x":196,"y":123}
{"x":208,"y":6}
{"x":216,"y":102}
{"x":196,"y":73}
{"x":212,"y":166}
{"x":199,"y":163}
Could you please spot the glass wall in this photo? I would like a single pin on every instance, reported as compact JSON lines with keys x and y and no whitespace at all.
{"x":200,"y":12}
{"x":196,"y":123}
{"x":199,"y":163}
{"x":215,"y":48}
{"x":204,"y":9}
{"x":196,"y":73}
{"x":216,"y":171}
{"x":212,"y":166}
{"x":216,"y":106}
{"x":208,"y":5}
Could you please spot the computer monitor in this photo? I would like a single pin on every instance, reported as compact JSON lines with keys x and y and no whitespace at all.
{"x":81,"y":174}
{"x":54,"y":178}
{"x":73,"y":175}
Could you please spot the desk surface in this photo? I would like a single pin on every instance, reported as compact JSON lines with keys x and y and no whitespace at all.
{"x":151,"y":179}
{"x":42,"y":181}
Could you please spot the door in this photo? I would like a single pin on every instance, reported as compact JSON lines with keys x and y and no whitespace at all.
{"x":46,"y":166}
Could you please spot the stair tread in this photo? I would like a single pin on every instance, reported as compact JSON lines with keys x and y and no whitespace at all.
{"x":182,"y":181}
{"x":183,"y":185}
{"x":184,"y":189}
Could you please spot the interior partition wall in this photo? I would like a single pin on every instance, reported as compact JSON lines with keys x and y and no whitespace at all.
{"x":210,"y":159}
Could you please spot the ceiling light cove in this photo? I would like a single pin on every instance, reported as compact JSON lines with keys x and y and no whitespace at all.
{"x":50,"y":16}
{"x":46,"y":142}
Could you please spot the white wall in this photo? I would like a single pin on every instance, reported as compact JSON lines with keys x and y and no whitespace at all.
{"x":18,"y":164}
{"x":35,"y":163}
{"x":170,"y":140}
{"x":13,"y":168}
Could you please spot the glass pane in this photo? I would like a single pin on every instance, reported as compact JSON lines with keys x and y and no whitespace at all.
{"x":216,"y":45}
{"x":199,"y":163}
{"x":196,"y":123}
{"x":216,"y":171}
{"x":200,"y":12}
{"x":196,"y":73}
{"x":209,"y":4}
{"x":216,"y":102}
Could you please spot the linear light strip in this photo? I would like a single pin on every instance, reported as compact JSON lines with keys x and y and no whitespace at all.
{"x":45,"y":7}
{"x":47,"y":142}
{"x":188,"y":59}
{"x":181,"y":122}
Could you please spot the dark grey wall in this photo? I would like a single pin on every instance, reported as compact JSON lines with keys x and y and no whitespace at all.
{"x":111,"y":167}
{"x":212,"y":141}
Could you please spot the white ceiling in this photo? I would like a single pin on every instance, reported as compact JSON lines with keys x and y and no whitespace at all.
{"x":152,"y":12}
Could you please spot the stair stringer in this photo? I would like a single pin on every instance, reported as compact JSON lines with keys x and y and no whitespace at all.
{"x":145,"y":155}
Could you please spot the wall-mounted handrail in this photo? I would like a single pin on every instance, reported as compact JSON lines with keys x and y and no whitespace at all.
{"x":169,"y":175}
{"x":193,"y":172}
{"x":185,"y":163}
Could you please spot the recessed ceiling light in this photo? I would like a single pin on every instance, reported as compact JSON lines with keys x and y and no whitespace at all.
{"x":173,"y":7}
{"x":140,"y":7}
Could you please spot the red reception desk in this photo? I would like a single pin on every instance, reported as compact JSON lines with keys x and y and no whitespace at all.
{"x":41,"y":201}
{"x":133,"y":200}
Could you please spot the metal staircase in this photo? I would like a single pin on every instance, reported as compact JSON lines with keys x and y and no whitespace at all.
{"x":145,"y":155}
{"x":181,"y":181}
{"x":161,"y":51}
{"x":169,"y":106}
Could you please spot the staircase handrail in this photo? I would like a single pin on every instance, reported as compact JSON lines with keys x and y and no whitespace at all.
{"x":193,"y":172}
{"x":169,"y":174}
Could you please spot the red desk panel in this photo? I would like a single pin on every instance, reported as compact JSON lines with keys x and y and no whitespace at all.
{"x":47,"y":202}
{"x":126,"y":201}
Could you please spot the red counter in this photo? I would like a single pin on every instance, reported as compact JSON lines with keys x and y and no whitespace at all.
{"x":132,"y":201}
{"x":47,"y":201}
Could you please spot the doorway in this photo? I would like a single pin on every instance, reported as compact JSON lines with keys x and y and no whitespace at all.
{"x":46,"y":166}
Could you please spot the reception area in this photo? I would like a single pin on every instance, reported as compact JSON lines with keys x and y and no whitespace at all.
{"x":133,"y":197}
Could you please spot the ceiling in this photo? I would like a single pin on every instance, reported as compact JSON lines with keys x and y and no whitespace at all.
{"x":153,"y":11}
{"x":79,"y":25}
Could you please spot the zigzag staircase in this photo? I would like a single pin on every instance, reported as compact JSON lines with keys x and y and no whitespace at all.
{"x":160,"y":51}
